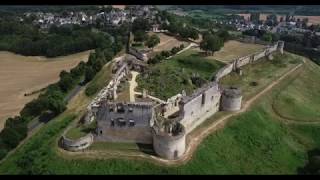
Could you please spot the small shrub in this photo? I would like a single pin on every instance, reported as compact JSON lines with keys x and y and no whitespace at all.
{"x":91,"y":90}
{"x":254,"y":83}
{"x":3,"y":153}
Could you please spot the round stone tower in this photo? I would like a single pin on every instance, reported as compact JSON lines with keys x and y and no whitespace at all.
{"x":170,"y":143}
{"x":231,"y":99}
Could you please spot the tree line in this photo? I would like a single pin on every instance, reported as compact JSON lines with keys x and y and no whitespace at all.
{"x":27,"y":39}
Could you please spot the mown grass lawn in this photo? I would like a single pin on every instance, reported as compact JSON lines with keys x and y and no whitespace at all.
{"x":301,"y":100}
{"x":255,"y":142}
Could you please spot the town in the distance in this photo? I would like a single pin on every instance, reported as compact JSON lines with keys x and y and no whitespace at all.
{"x":160,"y":89}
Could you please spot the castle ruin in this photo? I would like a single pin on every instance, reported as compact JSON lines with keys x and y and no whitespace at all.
{"x":164,"y":124}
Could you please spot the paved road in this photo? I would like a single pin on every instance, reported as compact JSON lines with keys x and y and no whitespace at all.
{"x":37,"y":122}
{"x":73,"y":93}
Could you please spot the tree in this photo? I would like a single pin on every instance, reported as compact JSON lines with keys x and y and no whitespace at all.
{"x":66,"y":81}
{"x":56,"y":102}
{"x":223,"y":34}
{"x":140,"y":24}
{"x":152,"y":41}
{"x":193,"y":34}
{"x":140,"y":36}
{"x":267,"y":37}
{"x":14,"y":131}
{"x":90,"y":73}
{"x":211,"y":44}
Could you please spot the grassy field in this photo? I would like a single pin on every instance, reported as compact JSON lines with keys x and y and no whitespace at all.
{"x":171,"y":76}
{"x":255,"y":142}
{"x":298,"y":101}
{"x":25,"y":74}
{"x":235,"y":49}
{"x":166,"y":43}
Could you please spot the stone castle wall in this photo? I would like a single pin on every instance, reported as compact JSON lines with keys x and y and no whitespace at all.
{"x":193,"y":107}
{"x":78,"y":144}
{"x":108,"y":92}
{"x":242,"y":61}
{"x":135,"y":122}
{"x":140,"y":55}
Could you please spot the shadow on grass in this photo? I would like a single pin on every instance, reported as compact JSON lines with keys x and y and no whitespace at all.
{"x":313,"y":164}
{"x":146,"y":148}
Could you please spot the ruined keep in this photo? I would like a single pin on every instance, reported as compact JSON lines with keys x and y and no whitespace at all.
{"x":125,"y":122}
{"x":231,"y":99}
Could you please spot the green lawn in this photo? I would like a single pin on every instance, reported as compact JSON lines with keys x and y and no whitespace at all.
{"x":300,"y":101}
{"x":80,"y":130}
{"x":255,"y":142}
{"x":171,"y":76}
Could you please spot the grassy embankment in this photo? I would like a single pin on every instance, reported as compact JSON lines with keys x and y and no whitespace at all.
{"x":98,"y":82}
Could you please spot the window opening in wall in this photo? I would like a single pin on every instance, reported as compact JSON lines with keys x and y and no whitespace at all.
{"x":100,"y":131}
{"x":120,"y":109}
{"x":131,"y":123}
{"x":112,"y":122}
{"x":203,"y":99}
{"x":121,"y":122}
{"x":175,"y":154}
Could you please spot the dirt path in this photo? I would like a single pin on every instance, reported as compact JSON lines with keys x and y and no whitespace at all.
{"x":151,"y":97}
{"x":186,"y":48}
{"x":133,"y":84}
{"x":194,"y":140}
